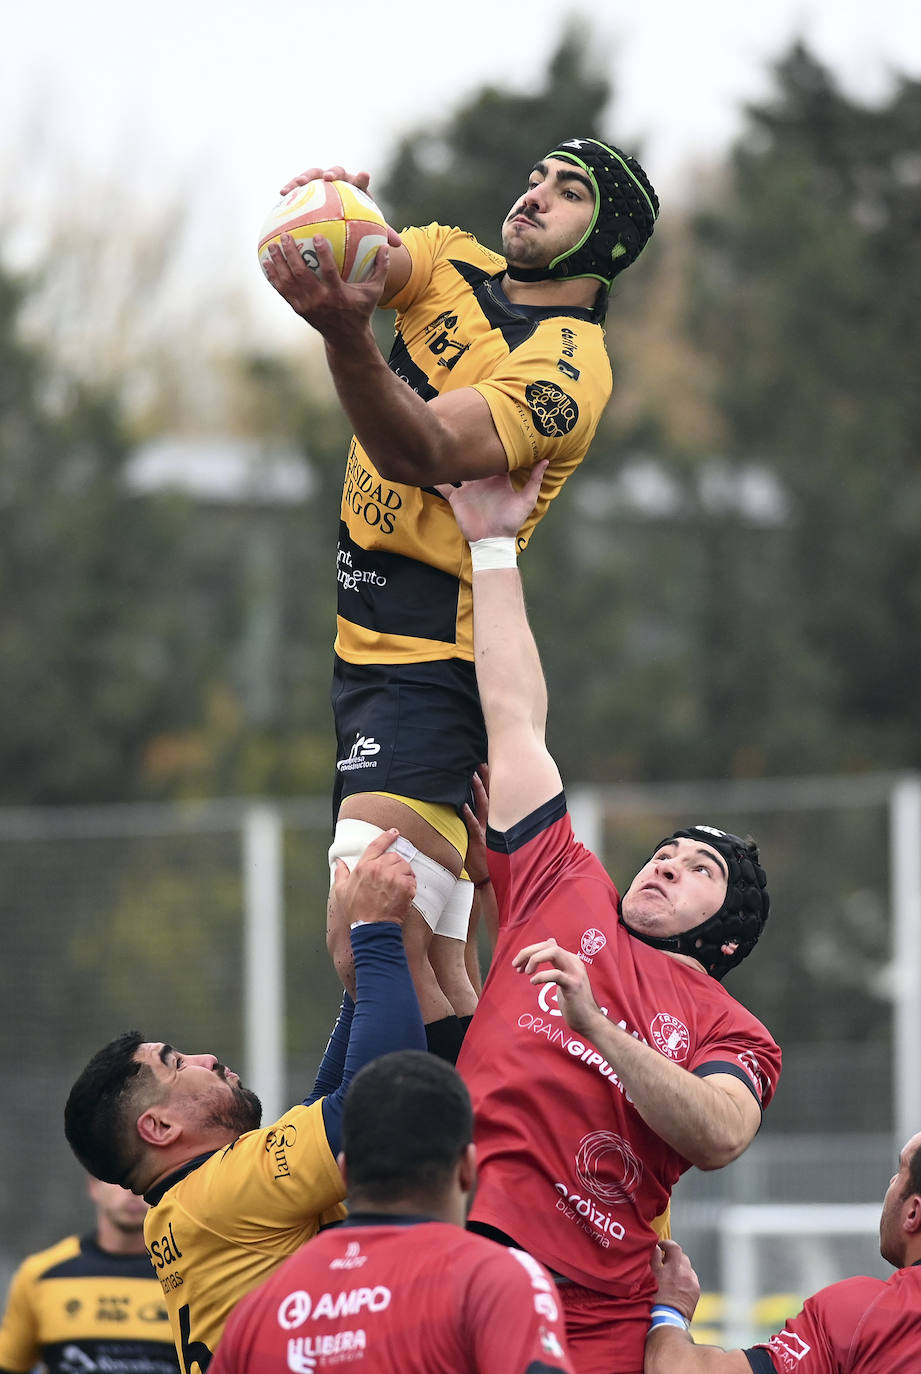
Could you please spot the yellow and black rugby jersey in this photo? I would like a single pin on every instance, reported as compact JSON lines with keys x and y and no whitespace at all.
{"x":403,"y":567}
{"x":218,"y":1227}
{"x":75,"y":1307}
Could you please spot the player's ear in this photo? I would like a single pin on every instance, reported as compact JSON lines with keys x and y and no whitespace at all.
{"x":340,"y":1160}
{"x":911,"y":1213}
{"x":157,"y":1128}
{"x":466,"y":1169}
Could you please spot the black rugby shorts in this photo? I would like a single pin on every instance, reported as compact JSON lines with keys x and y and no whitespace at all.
{"x":412,"y":728}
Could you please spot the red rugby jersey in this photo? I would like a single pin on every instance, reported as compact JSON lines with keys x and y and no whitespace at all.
{"x":567,"y":1167}
{"x":858,"y":1326}
{"x":399,"y":1295}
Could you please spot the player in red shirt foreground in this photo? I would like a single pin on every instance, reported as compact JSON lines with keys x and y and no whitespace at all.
{"x":859,"y":1326}
{"x":592,"y":1097}
{"x":399,"y":1287}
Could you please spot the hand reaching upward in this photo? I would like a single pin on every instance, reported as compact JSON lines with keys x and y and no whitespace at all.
{"x":492,"y":507}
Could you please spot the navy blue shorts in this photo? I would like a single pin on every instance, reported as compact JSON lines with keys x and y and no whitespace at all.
{"x":411,"y":728}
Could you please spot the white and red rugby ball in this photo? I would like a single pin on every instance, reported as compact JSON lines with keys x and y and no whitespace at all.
{"x":343,"y":214}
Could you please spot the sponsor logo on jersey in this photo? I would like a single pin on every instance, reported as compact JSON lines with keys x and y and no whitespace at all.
{"x":670,"y":1036}
{"x":277,"y":1144}
{"x":561,"y":1036}
{"x":545,"y":1303}
{"x":294,"y":1310}
{"x":352,"y":1259}
{"x":596,"y":1222}
{"x":787,"y":1349}
{"x":749,"y":1061}
{"x":607,"y":1167}
{"x":351,"y":578}
{"x":608,"y":1175}
{"x":367,"y":496}
{"x":571,"y":1044}
{"x":298,"y":1307}
{"x":112,"y":1307}
{"x":73,"y":1360}
{"x":593,"y":942}
{"x":568,"y":349}
{"x":361,"y":754}
{"x":153,"y":1312}
{"x":305,"y":1351}
{"x":549,"y":1343}
{"x":165,"y":1251}
{"x":554,"y":411}
{"x":439,"y":339}
{"x":299,"y":1360}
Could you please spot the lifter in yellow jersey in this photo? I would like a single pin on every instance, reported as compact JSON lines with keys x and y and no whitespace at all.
{"x":498,"y":362}
{"x":230,"y":1199}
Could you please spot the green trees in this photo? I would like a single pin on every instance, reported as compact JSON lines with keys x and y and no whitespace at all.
{"x":806,"y":284}
{"x":468,"y":169}
{"x":98,"y":644}
{"x":730,"y":584}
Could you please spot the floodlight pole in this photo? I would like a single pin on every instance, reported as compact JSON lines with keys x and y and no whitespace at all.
{"x":905,"y":869}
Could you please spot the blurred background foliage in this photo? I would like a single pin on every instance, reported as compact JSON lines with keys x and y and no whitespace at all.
{"x":729,"y":588}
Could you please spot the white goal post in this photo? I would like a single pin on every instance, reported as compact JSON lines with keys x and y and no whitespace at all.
{"x":742,"y":1228}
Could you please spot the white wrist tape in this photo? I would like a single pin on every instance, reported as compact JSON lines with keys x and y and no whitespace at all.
{"x":661,"y":1315}
{"x":498,"y":552}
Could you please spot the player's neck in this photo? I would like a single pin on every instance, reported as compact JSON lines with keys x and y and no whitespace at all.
{"x":115,"y":1241}
{"x":580,"y":292}
{"x":685,"y":959}
{"x":448,"y":1207}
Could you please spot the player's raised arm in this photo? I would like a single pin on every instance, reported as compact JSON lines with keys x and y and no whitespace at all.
{"x":412,"y":439}
{"x":375,"y":898}
{"x":522,"y":774}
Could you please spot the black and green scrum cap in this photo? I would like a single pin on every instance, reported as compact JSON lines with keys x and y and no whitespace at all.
{"x":626,"y":208}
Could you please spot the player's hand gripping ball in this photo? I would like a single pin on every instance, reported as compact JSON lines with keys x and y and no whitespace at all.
{"x":343,"y":214}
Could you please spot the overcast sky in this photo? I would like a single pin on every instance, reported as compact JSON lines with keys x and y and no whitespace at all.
{"x":234,"y":96}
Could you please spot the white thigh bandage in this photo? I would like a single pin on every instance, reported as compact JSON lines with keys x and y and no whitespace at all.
{"x":434,"y":884}
{"x":455,"y":918}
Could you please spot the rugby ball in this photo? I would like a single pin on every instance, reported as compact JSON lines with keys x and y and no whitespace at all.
{"x":346,"y":216}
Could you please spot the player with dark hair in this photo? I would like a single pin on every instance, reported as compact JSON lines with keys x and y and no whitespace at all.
{"x":618,"y":1060}
{"x":230,"y":1200}
{"x":498,"y":361}
{"x":400,"y":1287}
{"x":90,"y":1302}
{"x":858,"y":1326}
